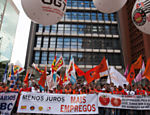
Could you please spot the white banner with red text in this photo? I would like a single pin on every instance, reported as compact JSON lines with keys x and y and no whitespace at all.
{"x":57,"y":103}
{"x":7,"y":102}
{"x":136,"y":102}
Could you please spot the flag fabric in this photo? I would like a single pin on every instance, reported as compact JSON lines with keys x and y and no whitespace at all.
{"x":60,"y":80}
{"x":17,"y":69}
{"x":116,"y":77}
{"x":139,"y":75}
{"x":147,"y":70}
{"x":102,"y":67}
{"x":43,"y":78}
{"x":138,"y":63}
{"x":71,"y":71}
{"x":54,"y":62}
{"x":5,"y":74}
{"x":91,"y":75}
{"x":26,"y":79}
{"x":40,"y":71}
{"x":126,"y":71}
{"x":59,"y":64}
{"x":79,"y":71}
{"x":12,"y":73}
{"x":131,"y":75}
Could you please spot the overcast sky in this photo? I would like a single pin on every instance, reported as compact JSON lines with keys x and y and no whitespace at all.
{"x":21,"y":39}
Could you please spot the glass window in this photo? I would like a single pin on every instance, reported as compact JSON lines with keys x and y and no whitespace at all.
{"x":107,"y":29}
{"x":51,"y":57}
{"x":87,"y":4}
{"x":106,"y":18}
{"x":114,"y":29}
{"x":69,"y":3}
{"x":60,"y":28}
{"x":81,"y":3}
{"x":80,"y":43}
{"x":44,"y":58}
{"x":59,"y":42}
{"x":87,"y":16}
{"x":93,"y":16}
{"x":66,"y":57}
{"x":74,"y":16}
{"x":113,"y":17}
{"x":47,"y":28}
{"x":88,"y":58}
{"x":36,"y":57}
{"x":92,"y":4}
{"x":74,"y":29}
{"x":74,"y":3}
{"x":101,"y":29}
{"x":38,"y":41}
{"x":94,"y":29}
{"x":74,"y":43}
{"x":45,"y":42}
{"x":100,"y":16}
{"x":66,"y":42}
{"x":40,"y":28}
{"x":58,"y":54}
{"x":81,"y":29}
{"x":68,"y":16}
{"x":80,"y":58}
{"x":80,"y":15}
{"x":108,"y":44}
{"x":52,"y":42}
{"x":53,"y":28}
{"x":67,"y":28}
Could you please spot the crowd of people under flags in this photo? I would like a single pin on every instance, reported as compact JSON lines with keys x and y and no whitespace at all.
{"x":70,"y":83}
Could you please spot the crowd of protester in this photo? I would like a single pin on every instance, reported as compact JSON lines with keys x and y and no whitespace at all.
{"x":83,"y":88}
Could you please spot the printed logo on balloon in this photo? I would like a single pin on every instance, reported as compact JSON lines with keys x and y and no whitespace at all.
{"x":46,"y":12}
{"x":141,"y":15}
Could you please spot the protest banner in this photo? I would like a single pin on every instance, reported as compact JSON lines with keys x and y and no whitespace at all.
{"x":136,"y":102}
{"x":7,"y":102}
{"x":57,"y":103}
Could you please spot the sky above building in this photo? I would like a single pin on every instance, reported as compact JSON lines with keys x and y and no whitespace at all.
{"x":21,"y":39}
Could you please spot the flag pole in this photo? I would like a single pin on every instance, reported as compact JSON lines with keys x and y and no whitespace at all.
{"x":108,"y":71}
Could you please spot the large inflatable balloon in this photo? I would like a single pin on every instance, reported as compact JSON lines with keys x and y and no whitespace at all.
{"x":141,"y":15}
{"x":46,"y":12}
{"x":109,"y":6}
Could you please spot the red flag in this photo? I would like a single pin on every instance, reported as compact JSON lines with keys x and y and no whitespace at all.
{"x":79,"y":71}
{"x":131,"y":75}
{"x":26,"y":80}
{"x":147,"y":70}
{"x":102,"y":66}
{"x":138,"y":63}
{"x":60,"y":80}
{"x":43,"y":78}
{"x":91,"y":75}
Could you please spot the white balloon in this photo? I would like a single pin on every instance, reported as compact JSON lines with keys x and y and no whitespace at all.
{"x":141,"y":15}
{"x":109,"y":6}
{"x":46,"y":12}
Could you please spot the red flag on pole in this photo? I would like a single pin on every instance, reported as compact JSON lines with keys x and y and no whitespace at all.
{"x":43,"y":78}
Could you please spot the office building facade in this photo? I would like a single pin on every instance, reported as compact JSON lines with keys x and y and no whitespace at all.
{"x":134,"y":42}
{"x":84,"y":33}
{"x":8,"y":25}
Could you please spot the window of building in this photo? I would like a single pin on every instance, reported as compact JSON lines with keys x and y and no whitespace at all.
{"x":40,"y":28}
{"x":59,"y":42}
{"x":66,"y":42}
{"x":74,"y":3}
{"x":114,"y":29}
{"x":80,"y":42}
{"x":67,"y":28}
{"x":51,"y":57}
{"x":80,"y":58}
{"x":100,"y":16}
{"x":66,"y":57}
{"x":93,"y":16}
{"x":44,"y":58}
{"x":87,"y":16}
{"x":81,"y":29}
{"x":53,"y":28}
{"x":58,"y":54}
{"x":106,"y":18}
{"x":74,"y":29}
{"x":47,"y":29}
{"x":45,"y":42}
{"x":38,"y":41}
{"x":87,"y":4}
{"x":37,"y":57}
{"x":74,"y":16}
{"x":73,"y":43}
{"x":80,"y":15}
{"x":107,"y":29}
{"x":80,"y":3}
{"x":60,"y":28}
{"x":68,"y":16}
{"x":52,"y":42}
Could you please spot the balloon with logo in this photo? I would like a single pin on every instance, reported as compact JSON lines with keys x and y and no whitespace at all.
{"x":46,"y":12}
{"x":109,"y":6}
{"x":141,"y":15}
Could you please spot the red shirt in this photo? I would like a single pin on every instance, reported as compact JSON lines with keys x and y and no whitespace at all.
{"x":122,"y":92}
{"x":140,"y":92}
